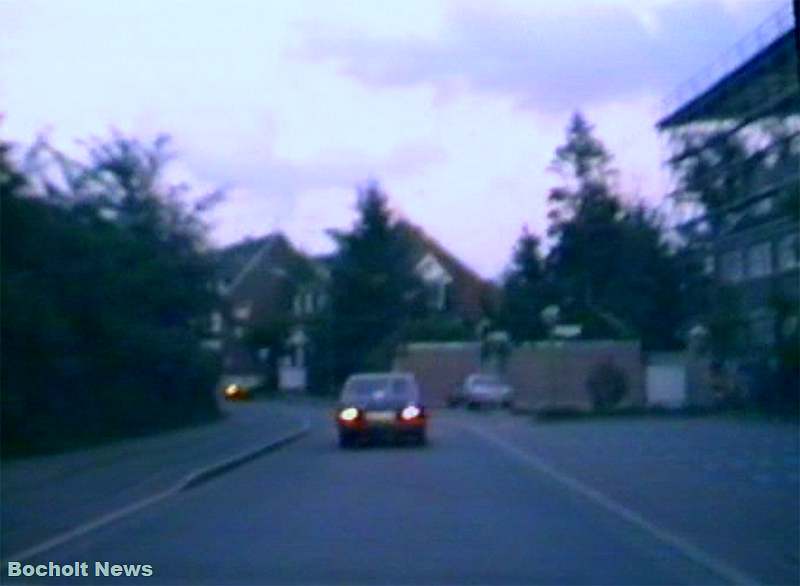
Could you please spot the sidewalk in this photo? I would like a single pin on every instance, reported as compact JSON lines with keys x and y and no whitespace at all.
{"x":46,"y":495}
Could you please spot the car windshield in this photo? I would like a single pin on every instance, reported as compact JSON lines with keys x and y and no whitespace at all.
{"x":380,"y":387}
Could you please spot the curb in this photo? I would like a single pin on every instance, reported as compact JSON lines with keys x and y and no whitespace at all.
{"x":203,"y":475}
{"x":188,"y":482}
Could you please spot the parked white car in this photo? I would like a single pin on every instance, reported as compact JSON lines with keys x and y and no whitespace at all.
{"x":483,"y":390}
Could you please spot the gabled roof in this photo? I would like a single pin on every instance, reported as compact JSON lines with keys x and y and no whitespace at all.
{"x":233,"y":259}
{"x":473,"y":290}
{"x":250,"y":257}
{"x":426,"y":244}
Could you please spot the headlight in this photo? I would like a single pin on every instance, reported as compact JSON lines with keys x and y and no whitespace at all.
{"x":231,"y":390}
{"x":348,"y":414}
{"x":411,"y":412}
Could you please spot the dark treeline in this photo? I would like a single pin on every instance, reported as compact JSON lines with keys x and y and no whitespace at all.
{"x":104,"y":284}
{"x":610,"y":267}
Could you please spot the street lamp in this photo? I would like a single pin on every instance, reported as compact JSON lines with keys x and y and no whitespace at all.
{"x":550,"y":316}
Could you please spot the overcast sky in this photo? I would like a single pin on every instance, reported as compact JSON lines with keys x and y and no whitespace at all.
{"x":455,"y":107}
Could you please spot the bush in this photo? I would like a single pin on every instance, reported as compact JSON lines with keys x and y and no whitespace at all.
{"x":607,"y":386}
{"x":99,"y":315}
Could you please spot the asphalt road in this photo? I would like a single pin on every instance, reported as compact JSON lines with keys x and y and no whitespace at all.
{"x":479,"y":505}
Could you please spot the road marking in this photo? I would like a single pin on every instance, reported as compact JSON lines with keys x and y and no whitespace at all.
{"x":684,"y":546}
{"x":189,"y":481}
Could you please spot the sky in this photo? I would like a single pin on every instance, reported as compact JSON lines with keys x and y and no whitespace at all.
{"x":454,"y":107}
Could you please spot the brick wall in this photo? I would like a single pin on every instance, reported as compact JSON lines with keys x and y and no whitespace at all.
{"x":544,"y":375}
{"x":439,"y":367}
{"x":554,"y":375}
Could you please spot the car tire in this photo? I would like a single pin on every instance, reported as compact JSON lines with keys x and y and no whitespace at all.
{"x":472,"y":405}
{"x":346,"y":441}
{"x":421,"y":439}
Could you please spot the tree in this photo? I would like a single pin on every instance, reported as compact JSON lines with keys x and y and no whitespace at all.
{"x":104,"y":285}
{"x":374,"y":289}
{"x":273,"y":336}
{"x":525,"y":291}
{"x":583,"y":161}
{"x":713,"y":171}
{"x":610,"y":266}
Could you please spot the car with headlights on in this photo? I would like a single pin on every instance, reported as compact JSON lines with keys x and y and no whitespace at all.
{"x":236,"y":392}
{"x":484,"y":390}
{"x":381,"y":406}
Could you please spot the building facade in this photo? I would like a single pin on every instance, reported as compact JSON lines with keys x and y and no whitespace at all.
{"x":734,"y":136}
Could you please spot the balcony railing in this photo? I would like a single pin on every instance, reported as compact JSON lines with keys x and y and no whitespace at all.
{"x":777,"y":24}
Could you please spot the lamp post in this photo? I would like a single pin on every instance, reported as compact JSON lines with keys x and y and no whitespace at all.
{"x":550,"y":316}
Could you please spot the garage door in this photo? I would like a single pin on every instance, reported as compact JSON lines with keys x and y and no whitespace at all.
{"x":666,"y":385}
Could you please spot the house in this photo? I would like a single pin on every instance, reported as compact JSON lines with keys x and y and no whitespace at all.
{"x":272,"y":293}
{"x":268,"y":290}
{"x":455,"y":290}
{"x":749,"y":241}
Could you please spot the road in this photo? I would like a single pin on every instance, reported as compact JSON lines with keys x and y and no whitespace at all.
{"x":494,"y":499}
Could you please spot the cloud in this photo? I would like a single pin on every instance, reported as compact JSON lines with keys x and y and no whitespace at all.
{"x":549,"y":59}
{"x":266,"y":192}
{"x":455,"y":106}
{"x":328,"y":169}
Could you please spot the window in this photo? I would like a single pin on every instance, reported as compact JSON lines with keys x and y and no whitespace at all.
{"x":762,"y":327}
{"x":708,"y":264}
{"x":309,"y":303}
{"x":437,"y":295}
{"x":238,"y":332}
{"x":789,"y":326}
{"x":732,"y":219}
{"x":380,"y":386}
{"x":212,"y":344}
{"x":732,"y":266}
{"x":242,"y":311}
{"x":759,"y":260}
{"x":223,"y":286}
{"x":789,"y":252}
{"x":109,"y":214}
{"x":762,"y":207}
{"x":297,"y":304}
{"x":216,"y":322}
{"x":441,"y":296}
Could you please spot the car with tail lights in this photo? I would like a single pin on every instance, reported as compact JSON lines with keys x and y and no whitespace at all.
{"x":381,"y":406}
